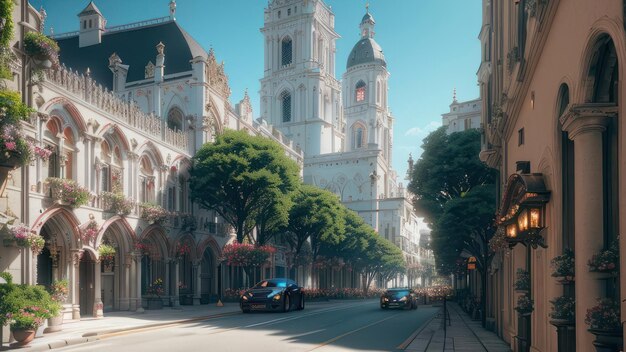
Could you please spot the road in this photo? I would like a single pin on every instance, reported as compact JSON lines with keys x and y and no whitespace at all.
{"x":321,"y":327}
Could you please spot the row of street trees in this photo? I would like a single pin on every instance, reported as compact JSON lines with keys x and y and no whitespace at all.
{"x":455,"y":192}
{"x":251,"y":183}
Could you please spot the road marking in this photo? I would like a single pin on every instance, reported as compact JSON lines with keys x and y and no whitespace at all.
{"x":352,"y":332}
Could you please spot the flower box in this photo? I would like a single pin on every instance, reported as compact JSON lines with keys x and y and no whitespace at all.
{"x":116,"y":203}
{"x":154,"y":303}
{"x":41,"y":49}
{"x":68,"y":192}
{"x":607,"y":261}
{"x":563,"y":265}
{"x":21,"y":235}
{"x":153,"y":213}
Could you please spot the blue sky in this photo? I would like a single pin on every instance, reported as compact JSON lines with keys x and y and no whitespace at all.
{"x":431,"y":47}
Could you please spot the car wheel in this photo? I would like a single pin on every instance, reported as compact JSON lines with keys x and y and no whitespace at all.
{"x":301,"y":305}
{"x":287,"y":304}
{"x":382,"y":307}
{"x":244,"y":310}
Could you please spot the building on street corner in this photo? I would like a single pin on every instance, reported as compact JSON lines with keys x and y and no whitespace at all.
{"x":551,"y":83}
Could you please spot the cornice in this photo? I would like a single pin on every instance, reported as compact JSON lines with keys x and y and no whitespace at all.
{"x":593,"y":117}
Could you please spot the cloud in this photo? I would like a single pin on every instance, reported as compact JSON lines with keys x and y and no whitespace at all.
{"x":424,"y":130}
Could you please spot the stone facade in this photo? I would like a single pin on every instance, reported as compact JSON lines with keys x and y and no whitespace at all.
{"x":551,"y":83}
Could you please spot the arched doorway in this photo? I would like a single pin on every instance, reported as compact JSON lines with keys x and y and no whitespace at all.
{"x":206,"y":276}
{"x":86,"y":281}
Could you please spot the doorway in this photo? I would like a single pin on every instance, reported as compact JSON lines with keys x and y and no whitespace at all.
{"x":86,"y":284}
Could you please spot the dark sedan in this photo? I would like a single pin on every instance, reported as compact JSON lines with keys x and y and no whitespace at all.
{"x":398,"y":298}
{"x":273,"y":294}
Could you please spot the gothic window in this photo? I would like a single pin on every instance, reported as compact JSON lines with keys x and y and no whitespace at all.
{"x":146,"y":181}
{"x":360,"y":91}
{"x":378,"y":92}
{"x":358,"y":136}
{"x":175,"y":119}
{"x":286,"y":106}
{"x":287,"y":52}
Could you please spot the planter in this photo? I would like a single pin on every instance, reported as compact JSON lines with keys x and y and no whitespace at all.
{"x":566,"y":334}
{"x":523,"y":332}
{"x":566,"y":280}
{"x":108,"y":267}
{"x":55,"y":324}
{"x":522,"y":290}
{"x":607,"y":340}
{"x":607,"y":274}
{"x":42,"y":62}
{"x":155,"y":303}
{"x":23,"y":337}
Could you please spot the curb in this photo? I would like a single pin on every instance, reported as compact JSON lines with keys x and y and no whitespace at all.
{"x":97,"y":335}
{"x":416,"y":333}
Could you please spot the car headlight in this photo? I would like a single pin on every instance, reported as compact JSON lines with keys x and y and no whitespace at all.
{"x":244,"y":297}
{"x":403,"y":299}
{"x":277,"y":297}
{"x":385,"y":299}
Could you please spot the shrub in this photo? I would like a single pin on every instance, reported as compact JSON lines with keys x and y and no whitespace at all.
{"x":25,"y":306}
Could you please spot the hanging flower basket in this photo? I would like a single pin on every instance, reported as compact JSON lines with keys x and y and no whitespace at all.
{"x":525,"y":305}
{"x":41,"y":49}
{"x":90,"y":232}
{"x":563,"y":266}
{"x":25,"y":237}
{"x":106,"y":253}
{"x":15,"y":150}
{"x":563,"y":308}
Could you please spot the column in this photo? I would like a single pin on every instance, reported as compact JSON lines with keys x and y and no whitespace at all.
{"x":585,"y":126}
{"x":196,"y":271}
{"x":74,"y":287}
{"x":175,"y":279}
{"x":138,"y":299}
{"x":125,"y":289}
{"x":98,"y":311}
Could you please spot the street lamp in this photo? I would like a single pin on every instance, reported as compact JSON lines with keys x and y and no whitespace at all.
{"x":523,"y":210}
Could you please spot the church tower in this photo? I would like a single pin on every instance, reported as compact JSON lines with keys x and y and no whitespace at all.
{"x":369,"y":124}
{"x":92,"y":25}
{"x":300,"y":94}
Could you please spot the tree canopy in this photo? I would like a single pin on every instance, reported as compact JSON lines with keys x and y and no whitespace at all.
{"x":238,"y":175}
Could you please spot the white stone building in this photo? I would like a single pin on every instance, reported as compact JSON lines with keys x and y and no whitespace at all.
{"x":345,"y":129}
{"x":462,"y":115}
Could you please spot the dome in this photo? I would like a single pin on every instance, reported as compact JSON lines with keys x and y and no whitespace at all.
{"x":365,"y":51}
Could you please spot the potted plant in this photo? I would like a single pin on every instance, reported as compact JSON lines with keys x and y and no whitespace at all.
{"x":153,"y":213}
{"x":154,"y":293}
{"x":68,"y":192}
{"x":182,"y":249}
{"x":23,"y":236}
{"x":604,"y":322}
{"x":106,"y":253}
{"x":563,"y":266}
{"x":522,"y":281}
{"x":563,"y":308}
{"x":143,"y":248}
{"x":563,"y":317}
{"x":524,"y":305}
{"x":25,"y":308}
{"x":117,"y":203}
{"x":607,"y":261}
{"x":59,"y":289}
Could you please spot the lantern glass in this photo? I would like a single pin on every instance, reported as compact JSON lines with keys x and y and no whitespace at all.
{"x":522,"y":220}
{"x":511,"y":230}
{"x":535,"y":218}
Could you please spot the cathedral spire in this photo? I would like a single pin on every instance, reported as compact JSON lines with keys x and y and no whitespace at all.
{"x":454,"y":96}
{"x":367,"y":24}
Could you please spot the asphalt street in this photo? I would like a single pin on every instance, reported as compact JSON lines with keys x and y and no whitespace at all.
{"x":338,"y":326}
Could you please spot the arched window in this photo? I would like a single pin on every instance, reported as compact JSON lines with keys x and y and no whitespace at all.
{"x":175,"y":119}
{"x":146,"y":181}
{"x":358,"y":136}
{"x":286,"y":106}
{"x":287,"y":52}
{"x":360,"y":91}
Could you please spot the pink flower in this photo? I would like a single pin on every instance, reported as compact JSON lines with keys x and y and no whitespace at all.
{"x":10,"y":145}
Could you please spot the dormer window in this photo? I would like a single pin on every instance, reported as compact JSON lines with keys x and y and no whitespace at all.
{"x":360,"y":91}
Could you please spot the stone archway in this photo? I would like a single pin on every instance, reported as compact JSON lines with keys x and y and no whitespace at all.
{"x":115,"y":278}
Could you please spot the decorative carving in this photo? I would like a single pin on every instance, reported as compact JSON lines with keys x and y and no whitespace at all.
{"x":160,"y":48}
{"x":216,"y":77}
{"x":114,"y":60}
{"x":149,"y":73}
{"x":531,"y":7}
{"x":512,"y":58}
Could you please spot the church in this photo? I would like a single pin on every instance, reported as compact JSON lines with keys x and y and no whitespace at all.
{"x":344,"y":128}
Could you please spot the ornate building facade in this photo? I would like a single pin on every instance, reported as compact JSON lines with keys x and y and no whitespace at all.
{"x":551,"y":81}
{"x":345,"y":130}
{"x":123,"y":122}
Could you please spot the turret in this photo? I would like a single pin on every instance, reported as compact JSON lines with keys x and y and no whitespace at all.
{"x":92,"y":25}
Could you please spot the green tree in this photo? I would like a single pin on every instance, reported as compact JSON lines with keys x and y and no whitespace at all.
{"x":314,"y":216}
{"x":448,"y":167}
{"x":236,"y":175}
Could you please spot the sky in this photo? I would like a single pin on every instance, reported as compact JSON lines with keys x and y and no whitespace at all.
{"x":431,"y":48}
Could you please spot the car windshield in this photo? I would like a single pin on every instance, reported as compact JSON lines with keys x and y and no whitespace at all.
{"x":271,"y":283}
{"x":398,"y":292}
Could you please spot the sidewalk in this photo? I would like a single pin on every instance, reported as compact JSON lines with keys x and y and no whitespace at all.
{"x":88,"y":329}
{"x":462,"y":334}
